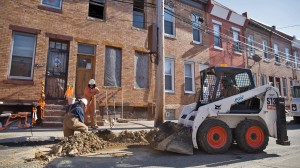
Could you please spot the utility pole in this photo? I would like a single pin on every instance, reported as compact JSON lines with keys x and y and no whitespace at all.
{"x":160,"y":71}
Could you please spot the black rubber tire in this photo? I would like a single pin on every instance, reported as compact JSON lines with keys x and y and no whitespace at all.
{"x":214,"y":131}
{"x":254,"y":141}
{"x":296,"y":119}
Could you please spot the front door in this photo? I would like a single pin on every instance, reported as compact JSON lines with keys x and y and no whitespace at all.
{"x":57,"y":70}
{"x":84,"y":72}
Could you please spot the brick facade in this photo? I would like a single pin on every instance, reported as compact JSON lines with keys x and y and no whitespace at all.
{"x":72,"y":25}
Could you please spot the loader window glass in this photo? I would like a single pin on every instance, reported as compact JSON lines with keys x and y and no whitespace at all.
{"x":242,"y":80}
{"x":208,"y":88}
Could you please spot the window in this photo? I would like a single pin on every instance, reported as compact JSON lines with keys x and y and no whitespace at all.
{"x":22,"y":57}
{"x":265,"y":49}
{"x":251,"y":50}
{"x":138,"y":14}
{"x":112,"y":75}
{"x":263,"y":79}
{"x":96,"y":9}
{"x":189,"y":84}
{"x":284,"y":87}
{"x":296,"y":57}
{"x":86,"y":49}
{"x":236,"y":45}
{"x":254,"y":78}
{"x":140,"y":70}
{"x":287,"y":57}
{"x":52,"y":3}
{"x":277,"y":59}
{"x":291,"y":88}
{"x":197,"y":37}
{"x":217,"y":39}
{"x":169,"y":75}
{"x":169,"y":22}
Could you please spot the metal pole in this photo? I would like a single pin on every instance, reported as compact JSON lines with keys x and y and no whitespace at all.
{"x":160,"y":77}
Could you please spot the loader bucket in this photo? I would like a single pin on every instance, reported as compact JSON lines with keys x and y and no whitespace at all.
{"x":171,"y":137}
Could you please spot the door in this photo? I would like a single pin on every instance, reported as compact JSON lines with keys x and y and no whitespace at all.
{"x":57,"y":70}
{"x":84,"y":72}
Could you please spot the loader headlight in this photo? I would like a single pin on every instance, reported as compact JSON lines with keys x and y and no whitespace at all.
{"x":294,"y":107}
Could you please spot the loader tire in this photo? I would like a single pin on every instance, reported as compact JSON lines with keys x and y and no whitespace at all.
{"x":252,"y":136}
{"x":214,"y":136}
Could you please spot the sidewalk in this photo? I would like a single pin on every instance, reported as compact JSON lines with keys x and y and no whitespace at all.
{"x":52,"y":134}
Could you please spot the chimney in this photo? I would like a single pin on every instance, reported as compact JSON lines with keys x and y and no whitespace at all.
{"x":245,"y":14}
{"x":273,"y":27}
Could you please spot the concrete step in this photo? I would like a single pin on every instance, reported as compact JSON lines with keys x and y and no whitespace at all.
{"x":55,"y":107}
{"x":52,"y":124}
{"x":54,"y":113}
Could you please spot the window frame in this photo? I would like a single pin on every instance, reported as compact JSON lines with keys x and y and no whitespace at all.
{"x":276,"y":53}
{"x":144,"y":55}
{"x":173,"y":19}
{"x":296,"y":59}
{"x":217,"y":34}
{"x":284,"y":87}
{"x":33,"y":56}
{"x":49,"y":6}
{"x":250,"y":41}
{"x":138,"y":10}
{"x":193,"y":77}
{"x":264,"y":80}
{"x":236,"y":41}
{"x":94,"y":46}
{"x":120,"y":77}
{"x":197,"y":28}
{"x":265,"y":49}
{"x":172,"y":75}
{"x":287,"y":57}
{"x":97,"y":4}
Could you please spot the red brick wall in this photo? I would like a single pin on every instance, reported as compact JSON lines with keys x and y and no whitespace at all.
{"x":227,"y":55}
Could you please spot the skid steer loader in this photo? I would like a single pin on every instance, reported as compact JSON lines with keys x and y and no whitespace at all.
{"x":215,"y":121}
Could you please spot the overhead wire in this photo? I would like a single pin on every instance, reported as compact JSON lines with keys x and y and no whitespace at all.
{"x":188,"y":21}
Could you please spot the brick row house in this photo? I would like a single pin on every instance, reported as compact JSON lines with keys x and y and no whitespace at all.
{"x":226,"y":28}
{"x":65,"y":43}
{"x":278,"y":57}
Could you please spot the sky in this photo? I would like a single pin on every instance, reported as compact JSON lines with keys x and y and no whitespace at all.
{"x":281,"y":13}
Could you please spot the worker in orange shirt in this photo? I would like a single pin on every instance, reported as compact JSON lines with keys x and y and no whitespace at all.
{"x":89,"y":93}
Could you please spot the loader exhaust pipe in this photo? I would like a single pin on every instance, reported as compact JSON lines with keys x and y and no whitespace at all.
{"x":282,"y":138}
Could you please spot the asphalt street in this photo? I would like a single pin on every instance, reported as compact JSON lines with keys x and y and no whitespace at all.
{"x":143,"y":156}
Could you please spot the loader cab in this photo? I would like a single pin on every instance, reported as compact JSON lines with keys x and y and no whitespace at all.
{"x":213,"y":82}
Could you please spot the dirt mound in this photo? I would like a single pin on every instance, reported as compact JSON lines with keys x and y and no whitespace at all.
{"x":90,"y":142}
{"x":155,"y":136}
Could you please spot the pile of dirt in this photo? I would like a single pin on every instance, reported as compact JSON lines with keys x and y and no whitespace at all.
{"x":155,"y":136}
{"x":90,"y":142}
{"x":79,"y":144}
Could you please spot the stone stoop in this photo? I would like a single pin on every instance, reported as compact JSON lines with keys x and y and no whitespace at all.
{"x":54,"y":115}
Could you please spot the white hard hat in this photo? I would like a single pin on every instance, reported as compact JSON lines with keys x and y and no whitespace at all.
{"x":92,"y":82}
{"x":84,"y":101}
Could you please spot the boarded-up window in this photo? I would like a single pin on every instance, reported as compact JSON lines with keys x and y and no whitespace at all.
{"x":112,"y":76}
{"x":140,"y":70}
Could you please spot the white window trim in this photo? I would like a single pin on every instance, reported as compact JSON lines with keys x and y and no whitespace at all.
{"x":11,"y":53}
{"x":251,"y":49}
{"x":217,"y":47}
{"x":172,"y":73}
{"x":60,"y":5}
{"x":217,"y":22}
{"x":236,"y":29}
{"x":174,"y":28}
{"x":200,"y":32}
{"x":193,"y":76}
{"x":265,"y":46}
